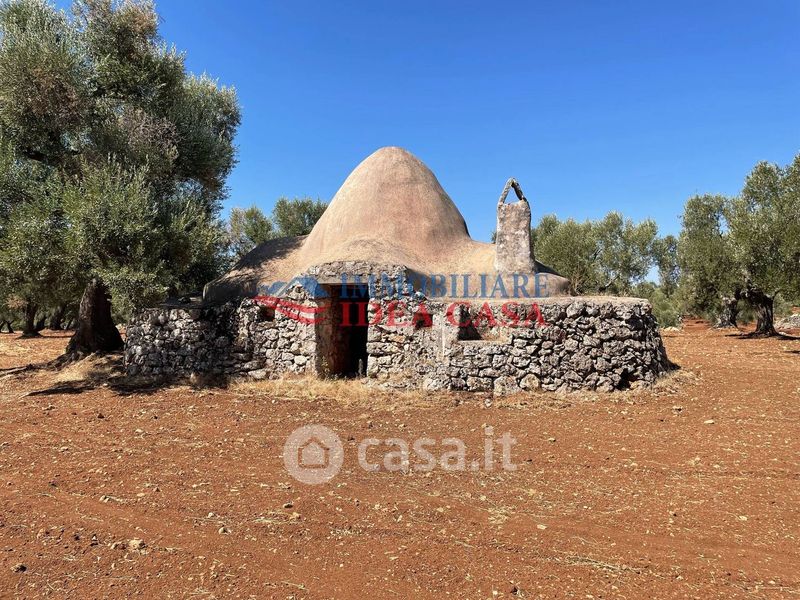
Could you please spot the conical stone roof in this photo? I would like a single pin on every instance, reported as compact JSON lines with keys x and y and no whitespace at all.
{"x":391,"y":210}
{"x":391,"y":202}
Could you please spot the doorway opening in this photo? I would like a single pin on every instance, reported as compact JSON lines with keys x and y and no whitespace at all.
{"x":345,"y":349}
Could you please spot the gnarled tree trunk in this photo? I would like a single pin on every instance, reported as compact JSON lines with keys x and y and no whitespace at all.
{"x":763,"y":305}
{"x":6,"y":323}
{"x":730,"y":311}
{"x":96,"y":331}
{"x":29,"y":329}
{"x":57,"y":318}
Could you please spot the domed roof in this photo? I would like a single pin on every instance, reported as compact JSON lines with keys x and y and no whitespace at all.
{"x":391,"y":210}
{"x":391,"y":202}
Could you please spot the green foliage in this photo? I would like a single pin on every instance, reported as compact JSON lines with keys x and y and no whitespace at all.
{"x":194,"y":242}
{"x":206,"y":117}
{"x":45,"y":82}
{"x":705,"y":256}
{"x":764,"y":222}
{"x":140,"y":245}
{"x":129,"y":60}
{"x":34,"y":258}
{"x":625,"y":251}
{"x":15,"y":183}
{"x":607,"y":256}
{"x":297,"y":216}
{"x":114,"y":230}
{"x":665,"y":251}
{"x":612,"y":256}
{"x":571,"y":249}
{"x":247,"y":228}
{"x":784,"y":305}
{"x":140,"y":149}
{"x":666,"y":307}
{"x":744,"y":247}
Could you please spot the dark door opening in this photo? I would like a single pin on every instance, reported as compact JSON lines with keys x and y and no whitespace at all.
{"x":347,"y":351}
{"x":353,"y":337}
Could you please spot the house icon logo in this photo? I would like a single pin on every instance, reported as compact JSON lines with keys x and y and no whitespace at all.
{"x":313,"y":454}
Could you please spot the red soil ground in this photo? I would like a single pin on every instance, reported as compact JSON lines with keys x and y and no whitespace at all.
{"x":689,"y":490}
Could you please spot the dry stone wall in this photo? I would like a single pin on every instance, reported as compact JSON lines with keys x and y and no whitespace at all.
{"x":789,"y":322}
{"x":584,"y":343}
{"x":245,"y":339}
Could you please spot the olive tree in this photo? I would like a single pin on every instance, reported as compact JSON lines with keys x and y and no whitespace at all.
{"x":247,"y":228}
{"x":610,"y":256}
{"x":764,"y":223}
{"x":709,"y":277}
{"x":98,"y":102}
{"x":34,"y":256}
{"x":297,"y":216}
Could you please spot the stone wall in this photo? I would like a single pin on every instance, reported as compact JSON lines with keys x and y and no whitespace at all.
{"x":789,"y":322}
{"x":584,"y":343}
{"x":246,"y":339}
{"x":580,"y":343}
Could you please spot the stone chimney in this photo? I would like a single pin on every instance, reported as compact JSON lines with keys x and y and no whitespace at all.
{"x":513,"y":239}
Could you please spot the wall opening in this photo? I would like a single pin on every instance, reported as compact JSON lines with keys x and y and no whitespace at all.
{"x":473,"y":327}
{"x":342,"y":337}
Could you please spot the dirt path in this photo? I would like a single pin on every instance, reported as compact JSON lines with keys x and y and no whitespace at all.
{"x":691,"y":490}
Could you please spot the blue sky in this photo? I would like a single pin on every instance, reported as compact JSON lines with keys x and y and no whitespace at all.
{"x":592,"y":106}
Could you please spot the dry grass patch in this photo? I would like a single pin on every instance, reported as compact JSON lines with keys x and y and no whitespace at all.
{"x":95,"y":368}
{"x":10,"y":348}
{"x":349,"y":392}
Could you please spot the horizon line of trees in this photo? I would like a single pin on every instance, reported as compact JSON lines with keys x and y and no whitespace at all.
{"x":732,"y":253}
